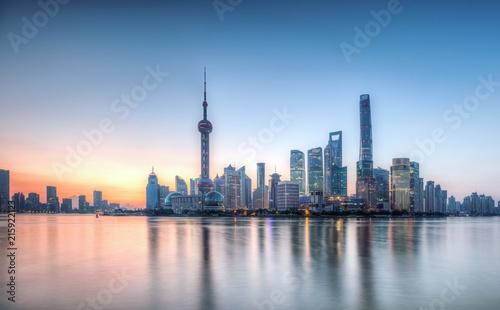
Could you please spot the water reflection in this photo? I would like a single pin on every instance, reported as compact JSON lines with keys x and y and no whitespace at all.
{"x":256,"y":263}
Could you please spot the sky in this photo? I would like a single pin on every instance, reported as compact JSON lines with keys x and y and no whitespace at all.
{"x":95,"y":94}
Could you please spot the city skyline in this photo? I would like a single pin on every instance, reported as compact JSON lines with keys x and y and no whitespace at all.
{"x":60,"y":88}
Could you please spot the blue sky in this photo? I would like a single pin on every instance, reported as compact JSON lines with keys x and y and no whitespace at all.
{"x":262,"y":56}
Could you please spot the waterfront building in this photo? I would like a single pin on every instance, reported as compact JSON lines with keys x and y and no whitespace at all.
{"x":365,"y":183}
{"x":287,"y":196}
{"x":315,"y":170}
{"x":298,"y":170}
{"x":400,"y":184}
{"x":152,"y":191}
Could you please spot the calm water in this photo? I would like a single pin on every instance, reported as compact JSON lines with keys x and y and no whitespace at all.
{"x":80,"y":262}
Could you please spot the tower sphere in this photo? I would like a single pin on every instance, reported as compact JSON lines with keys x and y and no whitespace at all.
{"x":204,"y":126}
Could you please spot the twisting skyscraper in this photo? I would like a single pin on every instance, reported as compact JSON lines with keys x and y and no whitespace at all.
{"x":205,"y":184}
{"x":365,"y":183}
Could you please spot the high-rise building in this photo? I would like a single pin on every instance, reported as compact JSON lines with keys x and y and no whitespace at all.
{"x":438,"y":198}
{"x":67,"y":205}
{"x":19,"y":201}
{"x":273,"y":191}
{"x":261,"y":174}
{"x":430,"y":197}
{"x":382,"y":185}
{"x":261,"y":197}
{"x":421,"y":206}
{"x":400,"y":184}
{"x":261,"y":193}
{"x":335,"y":176}
{"x":97,"y":195}
{"x":246,"y":188}
{"x":231,"y":188}
{"x":452,"y":204}
{"x":4,"y":188}
{"x":33,"y":202}
{"x":287,"y":196}
{"x":217,"y":183}
{"x":193,"y":186}
{"x":205,"y":127}
{"x":444,"y":198}
{"x":365,"y":183}
{"x":52,"y":199}
{"x":181,"y":185}
{"x":298,"y":170}
{"x":152,"y":192}
{"x":414,"y":186}
{"x":315,"y":170}
{"x":82,"y":203}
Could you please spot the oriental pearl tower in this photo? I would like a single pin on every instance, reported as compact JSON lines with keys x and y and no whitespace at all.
{"x":205,"y":184}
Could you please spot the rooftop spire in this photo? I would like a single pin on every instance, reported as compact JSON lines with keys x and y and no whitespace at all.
{"x":205,"y":104}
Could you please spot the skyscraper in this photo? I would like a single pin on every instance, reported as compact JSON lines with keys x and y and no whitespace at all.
{"x":298,"y":170}
{"x":231,"y":188}
{"x":66,"y":205}
{"x":438,"y":198}
{"x":430,"y":197}
{"x":152,"y":191}
{"x":261,"y":174}
{"x":414,"y":186}
{"x":33,"y":202}
{"x":273,"y":191}
{"x":193,"y":186}
{"x":205,"y":127}
{"x":382,"y":185}
{"x":52,"y":199}
{"x":365,"y":183}
{"x":82,"y":203}
{"x":400,"y":184}
{"x":315,"y":170}
{"x":4,"y":188}
{"x":335,"y":177}
{"x":97,"y":195}
{"x":19,"y":201}
{"x":246,"y":188}
{"x":261,"y":193}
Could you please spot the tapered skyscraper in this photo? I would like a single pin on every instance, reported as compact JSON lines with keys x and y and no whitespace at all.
{"x":205,"y":184}
{"x":365,"y":183}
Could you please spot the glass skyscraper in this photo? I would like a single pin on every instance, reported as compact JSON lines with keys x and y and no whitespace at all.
{"x":400,"y":184}
{"x":298,"y":170}
{"x":261,"y":174}
{"x":152,"y":192}
{"x":335,"y":176}
{"x":414,"y":187}
{"x":4,"y":188}
{"x":365,"y":183}
{"x":315,"y":169}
